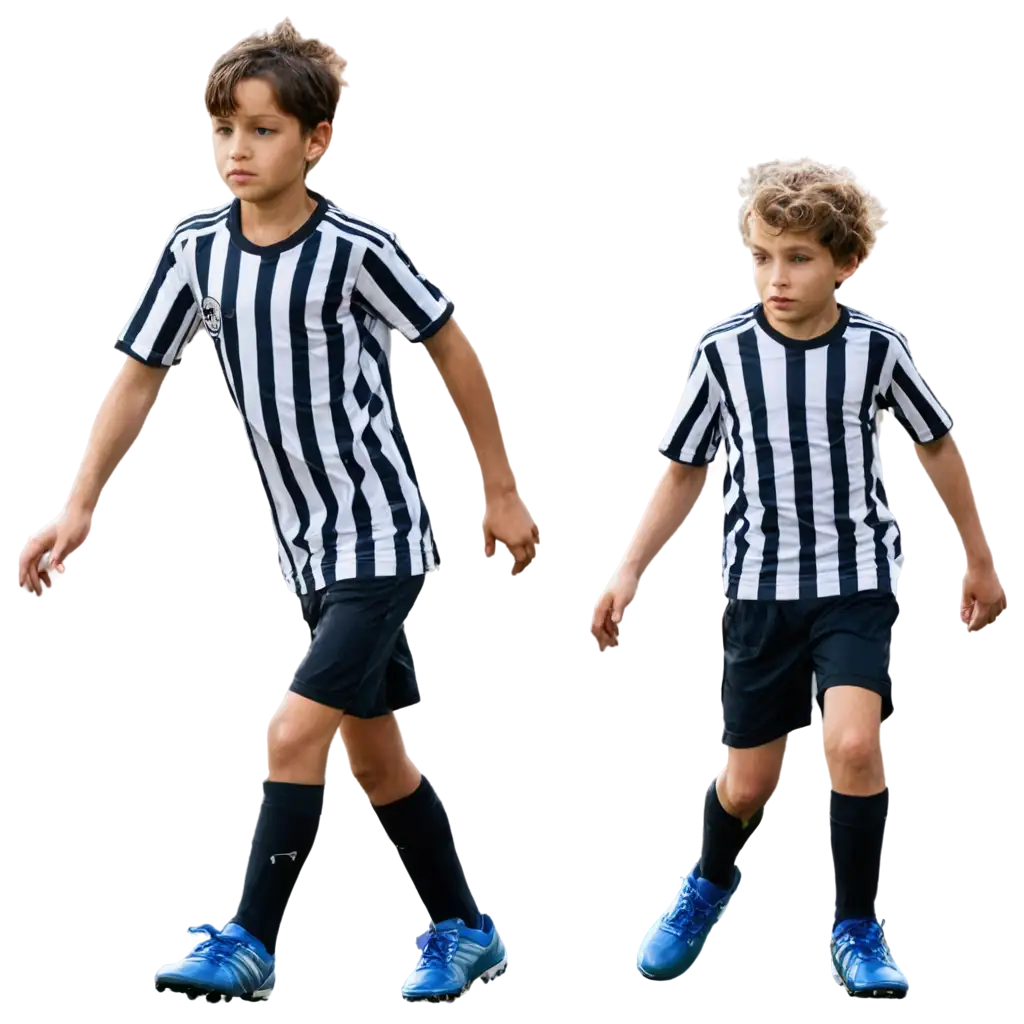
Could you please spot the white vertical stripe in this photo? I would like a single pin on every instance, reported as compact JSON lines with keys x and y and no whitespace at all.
{"x":857,"y":350}
{"x":321,"y":397}
{"x":772,"y":357}
{"x":826,"y":538}
{"x":373,"y":490}
{"x":245,"y":314}
{"x":284,"y":386}
{"x":750,"y":578}
{"x":390,"y":452}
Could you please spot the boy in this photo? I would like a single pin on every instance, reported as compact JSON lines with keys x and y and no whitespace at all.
{"x":811,"y":553}
{"x":299,"y":298}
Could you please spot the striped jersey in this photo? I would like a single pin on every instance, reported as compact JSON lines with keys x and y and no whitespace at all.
{"x":806,"y":514}
{"x":302,"y":330}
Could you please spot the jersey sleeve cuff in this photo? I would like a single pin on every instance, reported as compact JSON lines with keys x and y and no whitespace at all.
{"x":683,"y":459}
{"x":125,"y":346}
{"x":432,"y":328}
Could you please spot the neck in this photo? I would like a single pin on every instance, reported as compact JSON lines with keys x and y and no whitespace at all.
{"x":273,"y":220}
{"x":811,"y":326}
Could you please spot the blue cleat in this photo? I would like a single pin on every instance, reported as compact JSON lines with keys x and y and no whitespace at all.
{"x":229,"y":963}
{"x":453,"y":957}
{"x":862,"y":963}
{"x":677,"y":937}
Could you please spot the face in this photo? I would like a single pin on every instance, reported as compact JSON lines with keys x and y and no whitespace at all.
{"x":794,"y":273}
{"x":260,"y":150}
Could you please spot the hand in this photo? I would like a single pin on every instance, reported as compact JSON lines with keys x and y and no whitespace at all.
{"x":983,"y":598}
{"x":508,"y":520}
{"x":609,"y":610}
{"x":59,"y":538}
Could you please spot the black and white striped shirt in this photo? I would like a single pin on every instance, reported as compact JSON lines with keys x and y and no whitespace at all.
{"x":806,"y":514}
{"x":303,"y":333}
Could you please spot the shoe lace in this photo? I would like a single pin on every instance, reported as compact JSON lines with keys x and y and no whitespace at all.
{"x":690,"y":912}
{"x":218,"y":946}
{"x":437,"y":947}
{"x":867,"y":940}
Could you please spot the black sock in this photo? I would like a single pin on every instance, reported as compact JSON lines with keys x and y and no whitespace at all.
{"x":418,"y":826}
{"x":858,"y":823}
{"x":724,"y":836}
{"x":285,"y":831}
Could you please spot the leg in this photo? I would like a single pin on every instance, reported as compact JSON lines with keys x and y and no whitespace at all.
{"x":411,"y":814}
{"x":733,"y":806}
{"x":851,"y":659}
{"x":240,"y":960}
{"x":766,"y":688}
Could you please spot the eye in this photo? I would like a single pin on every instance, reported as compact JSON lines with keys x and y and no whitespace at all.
{"x":759,"y":257}
{"x":801,"y":259}
{"x":264,"y":132}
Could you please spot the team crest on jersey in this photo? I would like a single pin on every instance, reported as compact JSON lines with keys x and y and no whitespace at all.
{"x":211,"y":315}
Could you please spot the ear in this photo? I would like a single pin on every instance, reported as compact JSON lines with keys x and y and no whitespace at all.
{"x":318,"y":141}
{"x":846,"y":270}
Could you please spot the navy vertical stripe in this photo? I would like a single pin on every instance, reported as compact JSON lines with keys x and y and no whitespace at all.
{"x":835,"y":391}
{"x":754,"y":385}
{"x":229,"y":328}
{"x":381,"y":463}
{"x":803,"y":480}
{"x":268,"y":402}
{"x":738,"y":511}
{"x":878,"y":347}
{"x":924,"y":408}
{"x":689,"y":421}
{"x":304,"y":421}
{"x":396,"y":294}
{"x":365,"y":551}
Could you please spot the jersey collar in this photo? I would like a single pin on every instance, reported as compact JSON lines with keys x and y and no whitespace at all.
{"x":295,"y":238}
{"x":829,"y":336}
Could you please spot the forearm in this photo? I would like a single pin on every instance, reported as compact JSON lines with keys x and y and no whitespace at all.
{"x":117,"y":425}
{"x":464,"y":378}
{"x":673,"y":498}
{"x":945,"y":467}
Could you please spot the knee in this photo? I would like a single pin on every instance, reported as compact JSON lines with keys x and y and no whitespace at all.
{"x":385,"y":779}
{"x":372,"y":774}
{"x":855,"y":752}
{"x":288,"y":744}
{"x":745,"y":795}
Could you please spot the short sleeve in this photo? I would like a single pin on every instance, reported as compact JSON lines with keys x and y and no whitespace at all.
{"x":912,"y":401}
{"x":695,"y":432}
{"x":167,"y":318}
{"x":391,"y":288}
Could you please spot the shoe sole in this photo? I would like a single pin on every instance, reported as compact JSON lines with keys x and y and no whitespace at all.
{"x":449,"y":997}
{"x":194,"y":992}
{"x":867,"y":993}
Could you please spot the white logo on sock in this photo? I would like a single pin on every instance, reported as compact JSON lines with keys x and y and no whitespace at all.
{"x":274,"y":856}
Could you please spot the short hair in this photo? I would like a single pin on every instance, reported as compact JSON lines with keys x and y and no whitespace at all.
{"x":305,"y":75}
{"x":803,"y":195}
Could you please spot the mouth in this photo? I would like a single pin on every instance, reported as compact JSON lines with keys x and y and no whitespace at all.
{"x":776,"y":300}
{"x":240,"y":175}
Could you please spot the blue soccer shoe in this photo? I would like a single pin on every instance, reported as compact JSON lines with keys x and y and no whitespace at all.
{"x":862,"y":963}
{"x":677,"y":937}
{"x":452,"y":958}
{"x":227,"y":964}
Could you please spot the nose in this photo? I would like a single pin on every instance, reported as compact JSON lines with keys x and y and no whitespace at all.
{"x":780,"y":274}
{"x":239,"y":149}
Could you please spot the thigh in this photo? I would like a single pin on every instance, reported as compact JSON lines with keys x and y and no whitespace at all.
{"x":766,"y":680}
{"x":850,"y":643}
{"x":359,"y":625}
{"x":756,"y":767}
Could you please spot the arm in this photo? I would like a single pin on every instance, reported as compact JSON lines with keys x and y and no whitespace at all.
{"x":458,"y":367}
{"x":390,"y":286}
{"x":922,"y":418}
{"x":118,"y":412}
{"x":944,"y":470}
{"x":673,"y":494}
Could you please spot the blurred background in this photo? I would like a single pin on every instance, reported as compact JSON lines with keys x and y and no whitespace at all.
{"x":570,"y":179}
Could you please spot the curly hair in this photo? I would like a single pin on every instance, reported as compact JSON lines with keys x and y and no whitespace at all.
{"x":305,"y":73}
{"x":803,"y":195}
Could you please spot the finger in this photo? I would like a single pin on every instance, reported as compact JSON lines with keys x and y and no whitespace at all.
{"x":536,"y":533}
{"x":45,"y":577}
{"x":60,"y":549}
{"x":488,"y":543}
{"x":601,"y":610}
{"x":977,"y":617}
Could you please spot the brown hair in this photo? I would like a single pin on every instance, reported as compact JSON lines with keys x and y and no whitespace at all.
{"x":305,"y":74}
{"x":803,"y":195}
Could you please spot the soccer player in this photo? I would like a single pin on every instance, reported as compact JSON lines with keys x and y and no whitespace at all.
{"x":811,"y":554}
{"x":299,"y":298}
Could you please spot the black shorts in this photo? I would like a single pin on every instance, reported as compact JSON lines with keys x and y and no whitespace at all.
{"x":772,"y":649}
{"x":359,"y":659}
